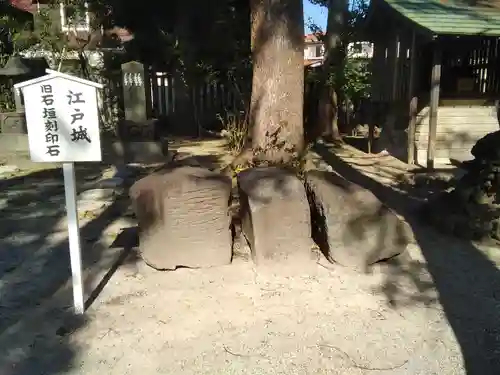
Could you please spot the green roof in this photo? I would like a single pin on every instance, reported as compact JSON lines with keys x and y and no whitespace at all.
{"x":447,"y":17}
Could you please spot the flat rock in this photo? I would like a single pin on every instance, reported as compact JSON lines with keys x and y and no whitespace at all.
{"x":92,"y":206}
{"x":112,"y":182}
{"x":8,"y":169}
{"x":97,"y":195}
{"x":350,"y":224}
{"x":183,"y":218}
{"x":275,"y":215}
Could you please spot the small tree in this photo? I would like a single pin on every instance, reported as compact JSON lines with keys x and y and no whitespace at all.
{"x":340,"y":76}
{"x":15,"y":36}
{"x":58,"y":43}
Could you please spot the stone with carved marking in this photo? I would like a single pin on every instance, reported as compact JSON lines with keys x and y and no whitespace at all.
{"x":350,"y":224}
{"x":275,"y":215}
{"x":183,"y":216}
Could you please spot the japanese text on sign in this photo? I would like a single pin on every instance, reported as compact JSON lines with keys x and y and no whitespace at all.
{"x":78,"y":132}
{"x":62,"y":118}
{"x":50,"y":119}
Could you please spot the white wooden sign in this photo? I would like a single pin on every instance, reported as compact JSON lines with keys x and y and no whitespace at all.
{"x":62,"y":118}
{"x":63,"y":126}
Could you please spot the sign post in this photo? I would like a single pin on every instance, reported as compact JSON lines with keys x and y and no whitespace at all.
{"x":63,"y":126}
{"x":75,"y":245}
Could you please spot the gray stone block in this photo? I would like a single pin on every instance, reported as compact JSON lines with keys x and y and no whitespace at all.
{"x":275,"y":215}
{"x":350,"y":224}
{"x":13,"y":143}
{"x":139,"y":131}
{"x":13,"y":123}
{"x":183,"y":218}
{"x":125,"y":152}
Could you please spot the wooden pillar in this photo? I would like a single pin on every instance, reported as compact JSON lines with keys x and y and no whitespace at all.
{"x":413,"y":102}
{"x":375,"y":90}
{"x":371,"y":127}
{"x":392,"y":110}
{"x":434,"y":105}
{"x":395,"y":70}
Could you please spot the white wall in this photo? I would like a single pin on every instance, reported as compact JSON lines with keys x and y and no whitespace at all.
{"x":311,"y":51}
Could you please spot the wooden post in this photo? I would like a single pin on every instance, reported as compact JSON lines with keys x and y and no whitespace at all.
{"x":413,"y":103}
{"x":434,"y":105}
{"x":391,"y":121}
{"x":371,"y":127}
{"x":375,"y":90}
{"x":395,"y":69}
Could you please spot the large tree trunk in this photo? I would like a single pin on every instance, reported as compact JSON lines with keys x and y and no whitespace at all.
{"x":276,"y":110}
{"x":331,"y":97}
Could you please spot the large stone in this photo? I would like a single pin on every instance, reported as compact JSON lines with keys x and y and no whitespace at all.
{"x":275,"y":215}
{"x":183,"y":218}
{"x":11,"y":143}
{"x":139,"y":149}
{"x":139,"y":152}
{"x":487,"y":147}
{"x":13,"y":123}
{"x":350,"y":225}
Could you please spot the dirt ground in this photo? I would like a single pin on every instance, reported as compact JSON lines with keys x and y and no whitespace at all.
{"x":316,"y":319}
{"x":435,"y":311}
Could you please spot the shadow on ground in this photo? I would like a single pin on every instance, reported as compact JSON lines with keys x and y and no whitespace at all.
{"x":36,"y":317}
{"x":463,"y":279}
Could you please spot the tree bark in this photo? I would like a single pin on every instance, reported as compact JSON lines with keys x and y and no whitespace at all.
{"x":276,"y":108}
{"x":334,"y":58}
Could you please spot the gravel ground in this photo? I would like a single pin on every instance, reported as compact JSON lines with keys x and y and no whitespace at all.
{"x":312,"y":319}
{"x":239,"y":320}
{"x":435,"y":311}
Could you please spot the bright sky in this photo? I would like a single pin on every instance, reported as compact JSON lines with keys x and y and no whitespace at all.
{"x":316,"y":13}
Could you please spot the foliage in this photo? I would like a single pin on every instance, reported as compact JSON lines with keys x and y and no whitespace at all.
{"x":196,"y":41}
{"x":278,"y":153}
{"x":354,"y":80}
{"x":6,"y":97}
{"x":352,"y":77}
{"x":16,"y":34}
{"x":7,"y":103}
{"x":208,"y":40}
{"x":356,"y":13}
{"x":234,"y":129}
{"x":199,"y":39}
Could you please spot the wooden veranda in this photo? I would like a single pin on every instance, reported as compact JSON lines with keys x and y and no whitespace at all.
{"x":436,"y":76}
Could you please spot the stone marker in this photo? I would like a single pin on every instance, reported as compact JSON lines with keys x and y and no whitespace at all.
{"x":134,"y":93}
{"x":275,"y":215}
{"x":183,"y":218}
{"x":350,"y":225}
{"x":139,"y":135}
